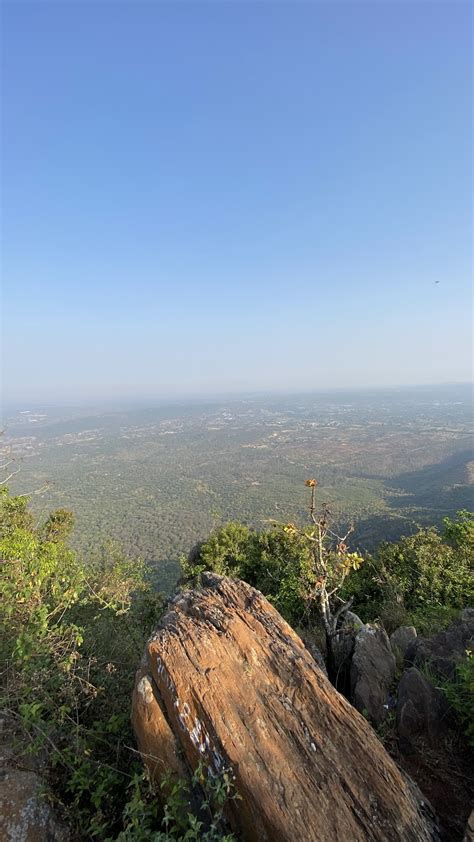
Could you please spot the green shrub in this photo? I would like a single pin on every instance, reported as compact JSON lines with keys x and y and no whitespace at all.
{"x":72,"y":635}
{"x":181,"y":821}
{"x":460,"y":694}
{"x":273,"y":561}
{"x":422,"y":579}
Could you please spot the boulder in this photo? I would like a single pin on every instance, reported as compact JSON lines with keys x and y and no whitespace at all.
{"x":422,"y":711}
{"x":229,"y":684}
{"x":446,"y":649}
{"x":400,"y":640}
{"x":24,"y":815}
{"x":372,"y":673}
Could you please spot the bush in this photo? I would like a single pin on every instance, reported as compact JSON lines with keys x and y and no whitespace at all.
{"x":72,"y":636}
{"x":274,"y":562}
{"x":460,"y":694}
{"x":182,"y":821}
{"x":422,"y":579}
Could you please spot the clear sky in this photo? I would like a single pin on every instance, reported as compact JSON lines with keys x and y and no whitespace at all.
{"x":223,"y":196}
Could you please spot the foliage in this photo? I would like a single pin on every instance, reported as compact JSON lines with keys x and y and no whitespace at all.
{"x":182,"y":820}
{"x":421,"y":579}
{"x":460,"y":694}
{"x":59,"y":525}
{"x":232,"y":550}
{"x":299,"y":570}
{"x":458,"y":689}
{"x":330,"y":562}
{"x":160,"y":479}
{"x":272,"y":561}
{"x":74,"y":630}
{"x":72,"y":635}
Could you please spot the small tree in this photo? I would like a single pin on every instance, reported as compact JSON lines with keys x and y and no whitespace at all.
{"x":58,"y":526}
{"x":330,"y":564}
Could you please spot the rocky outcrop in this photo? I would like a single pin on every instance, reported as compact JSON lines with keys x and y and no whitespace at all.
{"x":422,"y":711}
{"x":446,"y":649}
{"x":400,"y":640}
{"x":372,"y":673}
{"x":226,"y":681}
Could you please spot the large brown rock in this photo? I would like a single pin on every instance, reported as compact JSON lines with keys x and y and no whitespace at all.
{"x":226,"y":681}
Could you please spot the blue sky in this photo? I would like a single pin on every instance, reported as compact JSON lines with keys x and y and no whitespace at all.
{"x":216,"y":197}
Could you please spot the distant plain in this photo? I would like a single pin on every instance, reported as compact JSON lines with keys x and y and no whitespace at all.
{"x":158,"y":479}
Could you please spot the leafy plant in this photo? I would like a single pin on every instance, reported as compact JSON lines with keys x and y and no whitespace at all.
{"x":72,"y":633}
{"x":422,"y":579}
{"x":181,"y":821}
{"x":460,"y":694}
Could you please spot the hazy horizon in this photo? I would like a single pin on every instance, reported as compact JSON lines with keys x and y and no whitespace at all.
{"x":144,"y":401}
{"x":203,"y":198}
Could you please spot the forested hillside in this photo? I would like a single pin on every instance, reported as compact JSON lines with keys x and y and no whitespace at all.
{"x":158,"y":480}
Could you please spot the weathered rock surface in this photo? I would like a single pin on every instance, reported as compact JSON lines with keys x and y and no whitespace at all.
{"x":226,"y":681}
{"x":24,"y":814}
{"x":422,"y":711}
{"x":401,"y":639}
{"x":315,"y":653}
{"x":446,"y":649}
{"x":372,"y":673}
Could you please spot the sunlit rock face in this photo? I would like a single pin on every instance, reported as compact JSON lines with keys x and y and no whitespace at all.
{"x":225,"y":681}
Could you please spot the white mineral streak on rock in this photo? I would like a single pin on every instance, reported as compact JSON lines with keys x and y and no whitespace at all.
{"x":145,"y":689}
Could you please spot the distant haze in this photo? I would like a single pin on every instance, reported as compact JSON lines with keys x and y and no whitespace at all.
{"x":219,"y":198}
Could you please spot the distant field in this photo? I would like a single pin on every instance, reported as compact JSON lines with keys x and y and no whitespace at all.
{"x":160,"y":479}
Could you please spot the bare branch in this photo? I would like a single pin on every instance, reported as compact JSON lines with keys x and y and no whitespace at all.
{"x":4,"y":481}
{"x":36,"y":490}
{"x":341,"y":610}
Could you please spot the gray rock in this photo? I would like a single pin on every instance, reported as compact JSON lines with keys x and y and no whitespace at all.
{"x":24,"y":815}
{"x":401,"y":639}
{"x":372,"y":673}
{"x":446,"y":649}
{"x":422,"y":711}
